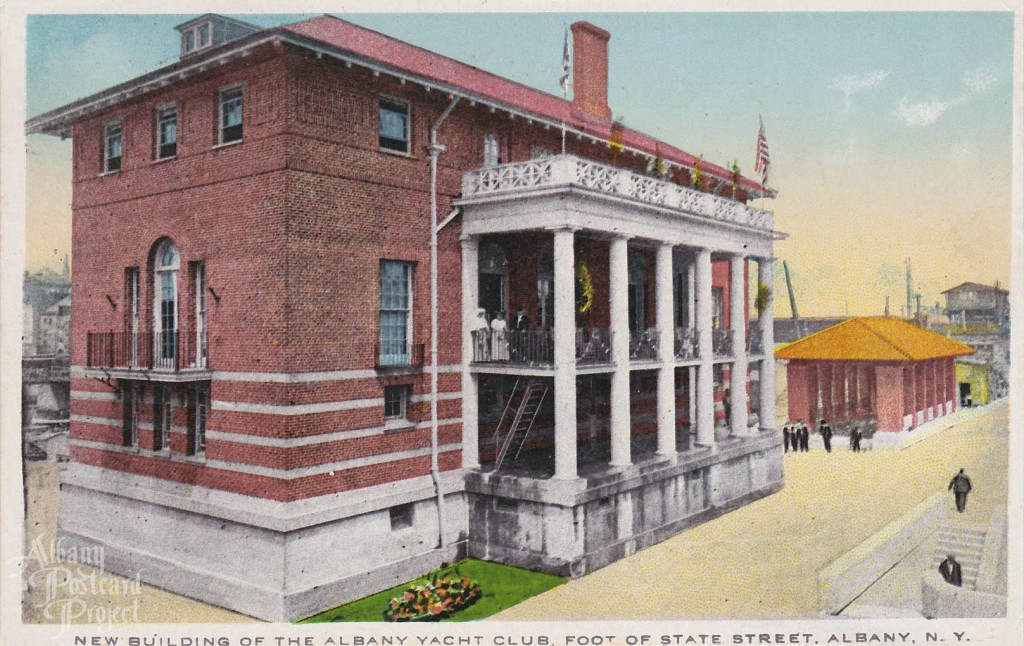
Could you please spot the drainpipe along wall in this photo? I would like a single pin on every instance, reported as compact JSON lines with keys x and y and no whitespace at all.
{"x":435,"y":470}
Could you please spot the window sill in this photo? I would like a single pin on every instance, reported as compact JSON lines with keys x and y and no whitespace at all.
{"x":397,"y":153}
{"x":161,"y":160}
{"x":228,"y":144}
{"x":109,"y":172}
{"x":397,"y":425}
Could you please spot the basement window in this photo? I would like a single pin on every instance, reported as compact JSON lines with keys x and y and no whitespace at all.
{"x":401,"y":516}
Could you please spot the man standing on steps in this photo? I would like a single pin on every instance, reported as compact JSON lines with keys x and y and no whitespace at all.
{"x":950,"y":571}
{"x":960,"y":485}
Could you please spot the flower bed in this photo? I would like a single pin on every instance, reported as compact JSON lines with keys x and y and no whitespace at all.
{"x":434,"y":600}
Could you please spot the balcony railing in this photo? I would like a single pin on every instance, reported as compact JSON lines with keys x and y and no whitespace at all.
{"x":537,"y":347}
{"x":169,"y":351}
{"x":686,"y":343}
{"x":755,"y":343}
{"x":569,"y":170}
{"x":643,"y":344}
{"x":721,"y":342}
{"x":399,"y":355}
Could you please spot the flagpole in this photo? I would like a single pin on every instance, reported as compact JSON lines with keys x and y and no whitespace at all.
{"x":565,"y":78}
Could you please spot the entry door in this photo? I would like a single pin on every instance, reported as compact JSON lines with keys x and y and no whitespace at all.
{"x":492,"y":294}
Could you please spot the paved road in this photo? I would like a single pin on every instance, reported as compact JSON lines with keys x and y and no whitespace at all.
{"x":761,"y":561}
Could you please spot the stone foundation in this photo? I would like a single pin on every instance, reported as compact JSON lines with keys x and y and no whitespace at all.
{"x":573,"y":527}
{"x":260,"y":558}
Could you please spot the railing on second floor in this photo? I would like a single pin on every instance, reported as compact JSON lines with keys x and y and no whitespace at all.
{"x":686,"y":343}
{"x":643,"y":344}
{"x":170,"y":351}
{"x":537,"y":347}
{"x":721,"y":342}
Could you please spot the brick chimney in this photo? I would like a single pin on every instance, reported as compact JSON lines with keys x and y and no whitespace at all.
{"x":590,"y":70}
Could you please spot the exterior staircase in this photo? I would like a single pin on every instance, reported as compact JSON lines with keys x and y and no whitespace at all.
{"x":529,"y":397}
{"x":966,"y":544}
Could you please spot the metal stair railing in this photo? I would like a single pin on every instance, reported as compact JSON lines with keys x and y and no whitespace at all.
{"x":526,"y":414}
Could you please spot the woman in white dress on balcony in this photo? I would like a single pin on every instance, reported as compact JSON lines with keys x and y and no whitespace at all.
{"x":499,"y":338}
{"x":481,"y":336}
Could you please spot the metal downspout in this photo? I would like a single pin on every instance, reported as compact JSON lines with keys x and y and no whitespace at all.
{"x":435,"y":471}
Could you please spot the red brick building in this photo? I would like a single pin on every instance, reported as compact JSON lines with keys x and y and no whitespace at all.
{"x":886,"y":370}
{"x":281,"y":398}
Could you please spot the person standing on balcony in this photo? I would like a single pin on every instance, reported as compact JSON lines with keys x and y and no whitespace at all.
{"x":960,"y":485}
{"x":481,"y":336}
{"x":522,"y":321}
{"x":499,"y":338}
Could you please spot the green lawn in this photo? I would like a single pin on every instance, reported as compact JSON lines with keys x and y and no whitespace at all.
{"x":503,"y":586}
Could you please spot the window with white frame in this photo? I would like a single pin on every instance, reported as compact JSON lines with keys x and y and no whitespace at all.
{"x":395,"y":312}
{"x":492,"y":152}
{"x":112,"y":147}
{"x":394,"y":125}
{"x":199,"y":283}
{"x":396,"y":400}
{"x":230,"y":115}
{"x":167,"y":132}
{"x":165,"y":305}
{"x":196,"y":37}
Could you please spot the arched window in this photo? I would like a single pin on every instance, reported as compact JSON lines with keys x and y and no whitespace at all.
{"x":165,"y":304}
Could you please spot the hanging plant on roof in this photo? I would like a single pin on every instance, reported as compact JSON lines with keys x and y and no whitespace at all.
{"x":584,"y":288}
{"x":697,"y":174}
{"x":735,"y":178}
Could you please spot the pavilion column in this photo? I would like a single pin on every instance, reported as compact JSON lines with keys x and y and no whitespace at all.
{"x":666,"y":351}
{"x":470,"y":387}
{"x":618,"y":305}
{"x":766,"y":412}
{"x":705,"y":370}
{"x":738,"y":325}
{"x":565,"y":355}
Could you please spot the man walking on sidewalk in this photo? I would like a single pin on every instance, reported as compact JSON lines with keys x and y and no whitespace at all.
{"x":960,"y":485}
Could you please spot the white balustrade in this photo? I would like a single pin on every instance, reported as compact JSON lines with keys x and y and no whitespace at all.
{"x":569,"y":170}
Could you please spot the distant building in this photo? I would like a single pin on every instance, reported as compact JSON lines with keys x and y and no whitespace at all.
{"x":979,"y":316}
{"x":883,"y":369}
{"x":46,"y":303}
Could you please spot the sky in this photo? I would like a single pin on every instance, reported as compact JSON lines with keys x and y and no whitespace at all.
{"x":890,"y":133}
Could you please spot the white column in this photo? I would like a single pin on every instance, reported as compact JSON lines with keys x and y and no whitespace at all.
{"x":470,"y":393}
{"x":737,"y":321}
{"x":565,"y":356}
{"x":691,"y":315}
{"x":766,"y":414}
{"x":618,"y":297}
{"x":705,"y":371}
{"x":666,"y":351}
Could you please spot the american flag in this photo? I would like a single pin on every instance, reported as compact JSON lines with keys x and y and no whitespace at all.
{"x":565,"y":66}
{"x":763,"y":159}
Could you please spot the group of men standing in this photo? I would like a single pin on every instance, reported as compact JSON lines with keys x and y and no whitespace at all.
{"x":796,"y":436}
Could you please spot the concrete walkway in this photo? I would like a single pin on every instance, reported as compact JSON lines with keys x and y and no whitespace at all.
{"x":762,"y":560}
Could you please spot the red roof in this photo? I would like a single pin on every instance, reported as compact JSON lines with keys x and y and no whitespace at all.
{"x":421,"y":62}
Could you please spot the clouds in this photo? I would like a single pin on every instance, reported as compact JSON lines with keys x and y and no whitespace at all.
{"x":925,"y":113}
{"x":851,"y":84}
